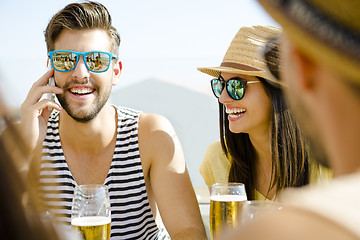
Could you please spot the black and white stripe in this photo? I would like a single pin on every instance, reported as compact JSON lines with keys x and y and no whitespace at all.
{"x":130,"y":209}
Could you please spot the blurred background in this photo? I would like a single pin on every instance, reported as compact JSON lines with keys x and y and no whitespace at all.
{"x":162,"y":44}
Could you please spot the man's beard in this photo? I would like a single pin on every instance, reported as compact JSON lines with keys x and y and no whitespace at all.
{"x":84,"y":117}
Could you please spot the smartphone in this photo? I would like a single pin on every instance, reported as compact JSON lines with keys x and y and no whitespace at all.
{"x":51,"y":96}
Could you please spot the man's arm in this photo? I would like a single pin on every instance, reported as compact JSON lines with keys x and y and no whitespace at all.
{"x":169,"y":178}
{"x":290,"y":223}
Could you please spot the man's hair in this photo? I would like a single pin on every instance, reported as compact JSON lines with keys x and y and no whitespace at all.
{"x":81,"y":16}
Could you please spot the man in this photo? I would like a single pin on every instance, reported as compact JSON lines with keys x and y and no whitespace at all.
{"x":320,"y":53}
{"x":86,"y":140}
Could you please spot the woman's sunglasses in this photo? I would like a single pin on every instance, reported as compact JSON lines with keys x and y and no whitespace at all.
{"x":235,"y":87}
{"x":66,"y":61}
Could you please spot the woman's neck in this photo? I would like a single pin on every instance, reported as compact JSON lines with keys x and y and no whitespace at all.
{"x":263,"y":164}
{"x":261,"y":143}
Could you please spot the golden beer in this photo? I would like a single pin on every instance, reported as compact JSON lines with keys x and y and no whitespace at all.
{"x":225,"y":211}
{"x":93,"y":228}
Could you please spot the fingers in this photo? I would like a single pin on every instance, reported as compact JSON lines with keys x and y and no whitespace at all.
{"x":46,"y":104}
{"x":40,"y":87}
{"x":35,"y":110}
{"x":32,"y":106}
{"x":36,"y":93}
{"x":45,"y":78}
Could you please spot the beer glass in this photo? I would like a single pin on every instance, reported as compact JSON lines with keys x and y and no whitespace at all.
{"x":255,"y":208}
{"x":226,"y":201}
{"x":90,"y":213}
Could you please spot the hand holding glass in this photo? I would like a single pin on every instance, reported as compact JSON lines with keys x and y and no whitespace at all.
{"x":90,"y":213}
{"x":226,"y":200}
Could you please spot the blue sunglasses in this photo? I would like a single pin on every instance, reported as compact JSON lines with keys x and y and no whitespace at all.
{"x":95,"y":61}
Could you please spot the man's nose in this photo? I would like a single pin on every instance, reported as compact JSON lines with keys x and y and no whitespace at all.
{"x":80,"y":71}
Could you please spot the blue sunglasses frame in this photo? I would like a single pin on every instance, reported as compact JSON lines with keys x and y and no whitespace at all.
{"x":78,"y":54}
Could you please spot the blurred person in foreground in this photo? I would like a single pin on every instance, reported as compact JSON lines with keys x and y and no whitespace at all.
{"x":320,"y":53}
{"x":87,"y":140}
{"x":22,"y":216}
{"x":261,"y":144}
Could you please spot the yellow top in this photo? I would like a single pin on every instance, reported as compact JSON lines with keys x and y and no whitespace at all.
{"x":216,"y":166}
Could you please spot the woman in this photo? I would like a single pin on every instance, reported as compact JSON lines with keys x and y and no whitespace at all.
{"x":262,"y":145}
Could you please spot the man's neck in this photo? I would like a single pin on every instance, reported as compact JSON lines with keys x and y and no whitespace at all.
{"x":340,"y":128}
{"x":91,"y":136}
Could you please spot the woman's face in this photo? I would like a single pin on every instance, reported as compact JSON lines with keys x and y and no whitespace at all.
{"x":252,"y":113}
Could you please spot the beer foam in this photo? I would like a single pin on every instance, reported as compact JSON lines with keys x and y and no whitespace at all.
{"x":90,"y":221}
{"x":228,"y":198}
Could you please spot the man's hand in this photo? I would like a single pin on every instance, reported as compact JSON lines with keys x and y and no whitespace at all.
{"x":35,"y":113}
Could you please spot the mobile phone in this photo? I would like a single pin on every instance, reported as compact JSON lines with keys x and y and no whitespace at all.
{"x":51,"y":96}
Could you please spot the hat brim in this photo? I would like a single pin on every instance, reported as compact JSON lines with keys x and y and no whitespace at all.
{"x":215,"y":72}
{"x":310,"y":45}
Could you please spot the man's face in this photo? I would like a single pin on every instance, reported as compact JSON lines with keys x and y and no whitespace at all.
{"x":85,"y":93}
{"x":291,"y":74}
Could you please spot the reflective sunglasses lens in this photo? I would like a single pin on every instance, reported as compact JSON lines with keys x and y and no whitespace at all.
{"x":64,"y":61}
{"x":98,"y":61}
{"x":217,"y":87}
{"x":235,"y":89}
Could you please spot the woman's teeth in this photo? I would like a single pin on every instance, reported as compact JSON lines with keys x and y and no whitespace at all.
{"x":235,"y":112}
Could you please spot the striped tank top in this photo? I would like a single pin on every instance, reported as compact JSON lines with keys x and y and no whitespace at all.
{"x":131,"y":216}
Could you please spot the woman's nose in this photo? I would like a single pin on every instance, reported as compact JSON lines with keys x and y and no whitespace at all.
{"x":224,"y":97}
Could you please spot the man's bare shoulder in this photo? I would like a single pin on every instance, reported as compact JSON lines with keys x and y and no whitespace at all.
{"x":154,"y":127}
{"x":149,"y":122}
{"x":157,"y":137}
{"x":291,"y":223}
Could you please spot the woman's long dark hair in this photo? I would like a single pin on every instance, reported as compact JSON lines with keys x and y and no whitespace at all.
{"x":288,"y":148}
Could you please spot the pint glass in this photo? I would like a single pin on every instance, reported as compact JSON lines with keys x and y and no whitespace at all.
{"x":226,"y":201}
{"x":90,"y":213}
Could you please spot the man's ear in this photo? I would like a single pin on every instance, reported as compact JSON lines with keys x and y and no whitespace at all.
{"x":117,"y":72}
{"x":305,"y":68}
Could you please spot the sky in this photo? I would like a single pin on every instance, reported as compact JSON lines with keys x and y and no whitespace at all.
{"x":160,"y":39}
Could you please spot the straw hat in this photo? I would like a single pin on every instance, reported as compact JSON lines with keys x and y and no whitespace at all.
{"x":326,"y":31}
{"x":244,"y":55}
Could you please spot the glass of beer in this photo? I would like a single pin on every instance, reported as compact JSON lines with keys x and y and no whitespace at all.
{"x":226,"y":201}
{"x":90,"y":213}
